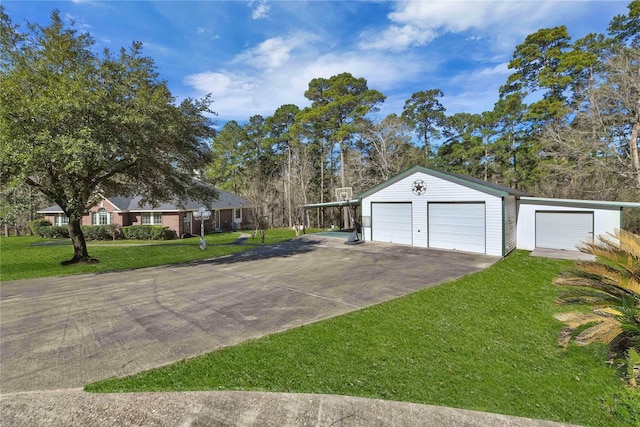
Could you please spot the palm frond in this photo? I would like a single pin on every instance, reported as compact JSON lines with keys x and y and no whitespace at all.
{"x":585,"y":296}
{"x":590,"y":281}
{"x":605,"y":329}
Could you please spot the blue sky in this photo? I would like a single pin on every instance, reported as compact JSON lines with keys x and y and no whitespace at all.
{"x":254,"y":56}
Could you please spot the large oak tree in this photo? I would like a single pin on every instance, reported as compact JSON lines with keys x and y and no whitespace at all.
{"x":74,"y":123}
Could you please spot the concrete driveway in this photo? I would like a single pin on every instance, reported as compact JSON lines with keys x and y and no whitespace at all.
{"x":57,"y":334}
{"x":64,"y":332}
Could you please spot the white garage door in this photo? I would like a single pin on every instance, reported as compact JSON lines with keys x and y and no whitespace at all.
{"x":391,"y":222}
{"x":459,"y":226}
{"x":563,"y":230}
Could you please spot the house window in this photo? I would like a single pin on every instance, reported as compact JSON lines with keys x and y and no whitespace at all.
{"x":61,"y":219}
{"x":239,"y":214}
{"x":151,"y":218}
{"x":102,"y":217}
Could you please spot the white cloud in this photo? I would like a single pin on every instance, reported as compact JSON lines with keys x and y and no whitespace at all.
{"x":260,"y":11}
{"x":397,"y":38}
{"x":271,"y":53}
{"x":416,"y":23}
{"x":279,"y":70}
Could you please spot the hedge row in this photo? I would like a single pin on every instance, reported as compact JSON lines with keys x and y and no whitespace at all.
{"x":43,"y":228}
{"x":147,"y":232}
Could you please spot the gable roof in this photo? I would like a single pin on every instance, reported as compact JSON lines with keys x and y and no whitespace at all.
{"x":467,"y":181}
{"x":225,"y":200}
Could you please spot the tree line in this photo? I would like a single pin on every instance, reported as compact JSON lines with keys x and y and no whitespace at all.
{"x":565,"y":125}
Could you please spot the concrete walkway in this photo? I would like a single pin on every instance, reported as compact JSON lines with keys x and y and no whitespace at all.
{"x":60,"y":333}
{"x":562,"y":254}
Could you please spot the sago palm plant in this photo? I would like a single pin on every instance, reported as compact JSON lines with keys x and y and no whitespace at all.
{"x":610,"y":287}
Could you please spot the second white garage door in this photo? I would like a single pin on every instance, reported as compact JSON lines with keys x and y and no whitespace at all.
{"x":391,"y":222}
{"x":459,"y":226}
{"x":563,"y":230}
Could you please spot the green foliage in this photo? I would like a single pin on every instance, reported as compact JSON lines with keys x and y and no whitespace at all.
{"x":37,"y":224}
{"x":424,"y":113}
{"x":626,"y":28}
{"x":485,"y":342}
{"x":102,"y":232}
{"x":146,"y":232}
{"x":610,"y":286}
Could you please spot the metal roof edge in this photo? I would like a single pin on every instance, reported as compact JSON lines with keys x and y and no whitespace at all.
{"x":578,"y":203}
{"x":352,"y":202}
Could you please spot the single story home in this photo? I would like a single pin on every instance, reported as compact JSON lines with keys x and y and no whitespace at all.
{"x":227,"y":213}
{"x":430,"y":208}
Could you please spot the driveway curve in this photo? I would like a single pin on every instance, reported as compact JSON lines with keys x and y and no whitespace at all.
{"x":58,"y":334}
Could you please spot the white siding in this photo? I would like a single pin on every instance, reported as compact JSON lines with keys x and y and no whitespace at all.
{"x":438,"y":190}
{"x":604,"y":220}
{"x":510,"y":208}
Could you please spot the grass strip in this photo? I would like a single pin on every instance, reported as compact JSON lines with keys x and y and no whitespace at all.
{"x":485,"y":342}
{"x":29,"y":257}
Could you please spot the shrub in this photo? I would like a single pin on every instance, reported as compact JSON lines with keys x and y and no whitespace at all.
{"x":44,"y":229}
{"x":146,"y":232}
{"x":56,"y":231}
{"x":610,"y":286}
{"x":101,"y":232}
{"x":37,"y":224}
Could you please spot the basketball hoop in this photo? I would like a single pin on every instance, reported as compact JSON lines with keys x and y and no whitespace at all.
{"x":344,"y":194}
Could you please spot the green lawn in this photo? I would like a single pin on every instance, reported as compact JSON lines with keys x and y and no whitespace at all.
{"x":30,"y":256}
{"x":485,"y":342}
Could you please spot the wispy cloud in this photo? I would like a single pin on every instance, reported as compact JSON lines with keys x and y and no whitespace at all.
{"x":260,"y":9}
{"x":279,"y":70}
{"x":476,"y":89}
{"x":78,"y":22}
{"x":271,"y":53}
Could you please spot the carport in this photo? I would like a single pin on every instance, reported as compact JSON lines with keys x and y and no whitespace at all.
{"x":352,"y":205}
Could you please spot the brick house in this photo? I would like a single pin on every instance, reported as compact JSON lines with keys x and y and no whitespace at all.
{"x":227,"y":213}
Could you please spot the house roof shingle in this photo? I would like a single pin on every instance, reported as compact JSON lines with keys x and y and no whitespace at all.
{"x":225,"y":200}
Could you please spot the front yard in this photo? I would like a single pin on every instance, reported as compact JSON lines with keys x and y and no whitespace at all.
{"x":30,"y":256}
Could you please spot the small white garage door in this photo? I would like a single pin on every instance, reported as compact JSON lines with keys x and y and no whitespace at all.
{"x":563,"y":230}
{"x":459,"y":226}
{"x":391,"y":222}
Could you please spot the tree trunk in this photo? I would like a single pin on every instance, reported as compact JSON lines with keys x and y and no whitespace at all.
{"x":343,"y":182}
{"x":80,"y":253}
{"x":288,"y":190}
{"x":633,"y":148}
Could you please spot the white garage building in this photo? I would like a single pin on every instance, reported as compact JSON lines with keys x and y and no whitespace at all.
{"x":429,"y":208}
{"x":563,"y":224}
